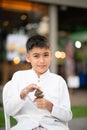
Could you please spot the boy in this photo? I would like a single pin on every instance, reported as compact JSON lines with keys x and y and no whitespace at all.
{"x":52,"y":110}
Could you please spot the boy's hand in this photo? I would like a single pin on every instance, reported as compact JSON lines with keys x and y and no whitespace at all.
{"x":42,"y":103}
{"x":28,"y":89}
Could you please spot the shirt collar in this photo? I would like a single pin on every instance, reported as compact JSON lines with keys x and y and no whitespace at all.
{"x":42,"y":75}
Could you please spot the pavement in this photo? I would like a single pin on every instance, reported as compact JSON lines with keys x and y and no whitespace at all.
{"x":77,"y":97}
{"x":78,"y":124}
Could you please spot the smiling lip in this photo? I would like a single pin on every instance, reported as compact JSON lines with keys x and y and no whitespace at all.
{"x":41,"y":66}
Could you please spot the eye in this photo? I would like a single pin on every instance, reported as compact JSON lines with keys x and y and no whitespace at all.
{"x":36,"y":55}
{"x":46,"y":54}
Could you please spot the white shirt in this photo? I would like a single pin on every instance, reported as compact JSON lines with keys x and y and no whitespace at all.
{"x":26,"y":112}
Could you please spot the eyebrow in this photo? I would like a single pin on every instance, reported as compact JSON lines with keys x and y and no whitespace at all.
{"x":39,"y":53}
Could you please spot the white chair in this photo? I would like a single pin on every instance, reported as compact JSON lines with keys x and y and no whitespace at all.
{"x":7,"y":121}
{"x":7,"y":117}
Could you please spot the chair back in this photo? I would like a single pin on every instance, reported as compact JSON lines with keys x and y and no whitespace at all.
{"x":7,"y":117}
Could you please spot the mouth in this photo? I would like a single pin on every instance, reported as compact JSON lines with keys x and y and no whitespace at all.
{"x":41,"y":66}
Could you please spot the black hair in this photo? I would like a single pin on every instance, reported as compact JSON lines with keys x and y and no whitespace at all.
{"x":37,"y":41}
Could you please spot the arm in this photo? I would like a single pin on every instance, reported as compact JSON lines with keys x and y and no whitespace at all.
{"x":11,"y":99}
{"x":58,"y":107}
{"x":62,"y":110}
{"x":14,"y":98}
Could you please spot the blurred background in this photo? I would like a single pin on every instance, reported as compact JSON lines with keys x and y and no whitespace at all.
{"x":64,"y":23}
{"x":67,"y":25}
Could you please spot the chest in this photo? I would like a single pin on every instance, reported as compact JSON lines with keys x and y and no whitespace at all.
{"x":49,"y":86}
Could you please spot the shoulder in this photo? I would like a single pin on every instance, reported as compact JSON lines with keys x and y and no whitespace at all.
{"x":57,"y":78}
{"x":21,"y":73}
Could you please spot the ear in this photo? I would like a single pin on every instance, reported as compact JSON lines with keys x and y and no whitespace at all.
{"x":27,"y":58}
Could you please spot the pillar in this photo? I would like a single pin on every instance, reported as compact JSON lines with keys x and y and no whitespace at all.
{"x":53,"y":34}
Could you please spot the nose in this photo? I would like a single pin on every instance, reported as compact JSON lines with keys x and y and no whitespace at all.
{"x":41,"y":59}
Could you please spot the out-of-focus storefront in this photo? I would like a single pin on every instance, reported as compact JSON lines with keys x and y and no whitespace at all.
{"x":20,"y":19}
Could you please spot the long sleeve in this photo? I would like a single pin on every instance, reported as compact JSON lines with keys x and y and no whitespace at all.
{"x":11,"y":99}
{"x":62,"y":110}
{"x":11,"y":94}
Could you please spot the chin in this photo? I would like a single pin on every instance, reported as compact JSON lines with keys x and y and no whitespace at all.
{"x":43,"y":71}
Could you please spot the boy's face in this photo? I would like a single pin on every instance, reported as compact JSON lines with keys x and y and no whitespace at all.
{"x":40,"y":59}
